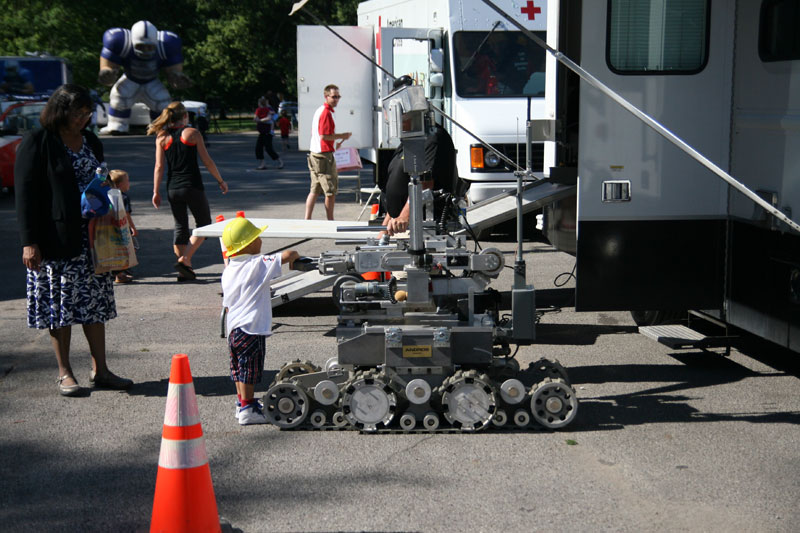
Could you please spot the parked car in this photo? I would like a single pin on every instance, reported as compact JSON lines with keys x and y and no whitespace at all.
{"x":291,"y":108}
{"x":140,"y":113}
{"x":16,"y":120}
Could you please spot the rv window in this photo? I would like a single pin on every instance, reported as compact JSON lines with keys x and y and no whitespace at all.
{"x":497,"y":63}
{"x":657,"y":36}
{"x":778,"y":38}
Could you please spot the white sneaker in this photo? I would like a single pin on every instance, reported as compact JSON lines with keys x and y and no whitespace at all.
{"x":262,"y":166}
{"x":239,"y":408}
{"x":280,"y":163}
{"x":251,"y":415}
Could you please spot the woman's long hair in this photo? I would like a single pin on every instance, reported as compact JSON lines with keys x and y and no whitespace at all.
{"x":172,"y":114}
{"x":62,"y":103}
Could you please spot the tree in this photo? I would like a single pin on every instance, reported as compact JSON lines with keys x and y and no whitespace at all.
{"x":249,"y":47}
{"x":234,"y":51}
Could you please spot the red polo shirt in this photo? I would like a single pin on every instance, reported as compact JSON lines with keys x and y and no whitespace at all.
{"x":326,"y":127}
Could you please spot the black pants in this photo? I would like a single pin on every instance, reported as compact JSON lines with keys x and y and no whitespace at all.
{"x":264,"y":143}
{"x":195,"y":201}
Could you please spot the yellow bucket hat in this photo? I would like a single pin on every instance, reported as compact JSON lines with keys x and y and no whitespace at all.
{"x":238,"y":234}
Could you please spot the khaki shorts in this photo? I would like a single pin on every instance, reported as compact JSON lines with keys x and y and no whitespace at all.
{"x":324,"y":176}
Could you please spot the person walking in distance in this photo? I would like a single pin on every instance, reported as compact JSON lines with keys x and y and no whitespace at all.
{"x":178,"y":148}
{"x":264,"y":119}
{"x":321,"y":164}
{"x":285,"y":125}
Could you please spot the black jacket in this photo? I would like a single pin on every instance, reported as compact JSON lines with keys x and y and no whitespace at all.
{"x":47,"y":194}
{"x":440,"y":161}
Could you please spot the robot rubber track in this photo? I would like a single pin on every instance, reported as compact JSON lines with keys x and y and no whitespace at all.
{"x":381,"y":401}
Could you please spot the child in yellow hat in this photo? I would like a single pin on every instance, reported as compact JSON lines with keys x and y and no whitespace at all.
{"x":246,"y":294}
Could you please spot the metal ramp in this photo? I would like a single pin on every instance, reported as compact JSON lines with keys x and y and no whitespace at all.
{"x":504,"y":207}
{"x":680,"y":337}
{"x":297,"y":284}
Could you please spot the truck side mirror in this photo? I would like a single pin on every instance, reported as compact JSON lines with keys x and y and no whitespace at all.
{"x":436,"y":80}
{"x":436,"y":60}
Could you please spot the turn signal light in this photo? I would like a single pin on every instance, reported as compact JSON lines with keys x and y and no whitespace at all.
{"x":476,"y":157}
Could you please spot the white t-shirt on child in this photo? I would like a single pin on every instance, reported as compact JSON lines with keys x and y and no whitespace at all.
{"x":246,"y":290}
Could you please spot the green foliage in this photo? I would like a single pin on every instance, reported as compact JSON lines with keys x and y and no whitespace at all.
{"x":233,"y":51}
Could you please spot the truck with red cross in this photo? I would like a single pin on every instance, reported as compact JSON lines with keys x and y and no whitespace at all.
{"x":475,"y":67}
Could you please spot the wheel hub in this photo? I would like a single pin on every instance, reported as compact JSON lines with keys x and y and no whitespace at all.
{"x":554,"y":405}
{"x":470,"y":403}
{"x":368,"y":402}
{"x":285,"y":405}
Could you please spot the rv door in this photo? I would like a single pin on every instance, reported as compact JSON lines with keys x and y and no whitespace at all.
{"x":324,"y":59}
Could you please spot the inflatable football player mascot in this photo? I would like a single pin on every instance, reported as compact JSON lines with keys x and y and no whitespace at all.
{"x":142,"y":51}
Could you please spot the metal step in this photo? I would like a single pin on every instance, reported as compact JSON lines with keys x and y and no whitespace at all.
{"x":680,"y":337}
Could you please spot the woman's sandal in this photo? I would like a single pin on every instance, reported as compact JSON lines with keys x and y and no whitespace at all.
{"x":185,"y":271}
{"x":124,"y":277}
{"x":67,"y":390}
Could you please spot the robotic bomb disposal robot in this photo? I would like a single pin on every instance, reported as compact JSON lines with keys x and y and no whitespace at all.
{"x":430,"y":352}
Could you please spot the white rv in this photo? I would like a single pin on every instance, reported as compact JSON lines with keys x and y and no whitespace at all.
{"x":656,"y":230}
{"x":474,"y":66}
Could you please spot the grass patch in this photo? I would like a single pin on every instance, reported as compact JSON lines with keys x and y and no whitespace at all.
{"x":233,"y":125}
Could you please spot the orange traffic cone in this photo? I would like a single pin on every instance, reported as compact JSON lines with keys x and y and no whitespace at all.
{"x":184,"y":500}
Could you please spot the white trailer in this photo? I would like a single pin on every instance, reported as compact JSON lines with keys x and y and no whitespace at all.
{"x":474,"y":66}
{"x":656,"y":230}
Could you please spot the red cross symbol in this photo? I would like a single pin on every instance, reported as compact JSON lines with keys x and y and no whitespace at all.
{"x":531,"y":11}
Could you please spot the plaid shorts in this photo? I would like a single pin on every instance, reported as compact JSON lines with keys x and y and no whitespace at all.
{"x":247,"y":356}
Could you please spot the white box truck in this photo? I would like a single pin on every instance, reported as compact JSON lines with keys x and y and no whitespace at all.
{"x":474,"y":66}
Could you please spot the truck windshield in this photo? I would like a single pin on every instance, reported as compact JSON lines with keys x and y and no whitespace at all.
{"x":30,"y":76}
{"x":498,"y":63}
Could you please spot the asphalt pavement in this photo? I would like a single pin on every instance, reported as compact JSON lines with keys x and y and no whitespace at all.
{"x":663,"y":440}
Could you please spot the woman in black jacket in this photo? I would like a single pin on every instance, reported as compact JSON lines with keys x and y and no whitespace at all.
{"x":54,"y":164}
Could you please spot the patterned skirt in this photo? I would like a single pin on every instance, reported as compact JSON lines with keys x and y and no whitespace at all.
{"x":67,"y":292}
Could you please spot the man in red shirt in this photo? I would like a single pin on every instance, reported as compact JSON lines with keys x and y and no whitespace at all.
{"x":321,"y":164}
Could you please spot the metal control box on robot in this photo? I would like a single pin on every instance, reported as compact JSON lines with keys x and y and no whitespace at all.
{"x":367,"y":346}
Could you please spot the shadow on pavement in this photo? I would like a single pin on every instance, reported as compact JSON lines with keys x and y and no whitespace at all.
{"x":669,"y":402}
{"x":203,"y":386}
